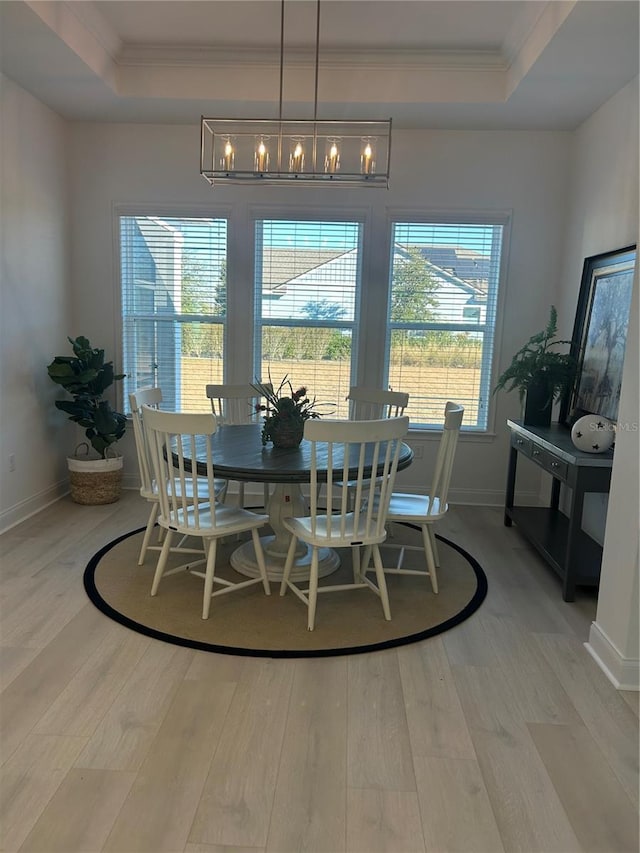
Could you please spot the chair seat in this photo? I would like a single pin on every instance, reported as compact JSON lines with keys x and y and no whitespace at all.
{"x":403,"y":507}
{"x":322,"y":537}
{"x":228,"y":520}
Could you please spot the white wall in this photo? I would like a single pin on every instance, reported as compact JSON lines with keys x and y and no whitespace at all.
{"x":526,"y":173}
{"x":604,"y":216}
{"x":35,"y":300}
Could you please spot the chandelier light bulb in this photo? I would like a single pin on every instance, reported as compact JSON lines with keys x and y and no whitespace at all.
{"x":367,"y":163}
{"x":332,"y":157}
{"x":296,"y":158}
{"x":261,"y":159}
{"x":228,"y":159}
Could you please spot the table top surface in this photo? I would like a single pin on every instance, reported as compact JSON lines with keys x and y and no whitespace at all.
{"x":556,"y":438}
{"x":238,"y":454}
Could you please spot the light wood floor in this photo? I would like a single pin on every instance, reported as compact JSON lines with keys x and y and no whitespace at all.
{"x":501,"y":734}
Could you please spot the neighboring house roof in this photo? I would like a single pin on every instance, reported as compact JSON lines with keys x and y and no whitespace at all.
{"x":472,"y":262}
{"x":466,"y":264}
{"x":281,"y":265}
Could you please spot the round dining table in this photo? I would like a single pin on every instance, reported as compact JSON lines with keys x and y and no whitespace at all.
{"x":238,"y":454}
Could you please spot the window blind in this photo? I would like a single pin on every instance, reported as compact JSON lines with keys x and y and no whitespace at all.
{"x":307,"y":280}
{"x":173,"y":291}
{"x":444,"y":281}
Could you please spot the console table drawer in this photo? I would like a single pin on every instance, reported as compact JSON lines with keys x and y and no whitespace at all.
{"x":521,"y":444}
{"x":549,"y":462}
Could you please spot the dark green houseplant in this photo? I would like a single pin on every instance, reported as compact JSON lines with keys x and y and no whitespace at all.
{"x":540,"y":373}
{"x":85,"y":375}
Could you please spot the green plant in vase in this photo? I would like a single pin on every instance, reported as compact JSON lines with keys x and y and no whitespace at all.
{"x":285,"y":412}
{"x":539,"y":373}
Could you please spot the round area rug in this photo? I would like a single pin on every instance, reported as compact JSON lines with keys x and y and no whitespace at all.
{"x":246,"y":622}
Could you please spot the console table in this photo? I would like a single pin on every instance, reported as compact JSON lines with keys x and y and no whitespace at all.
{"x":559,"y":538}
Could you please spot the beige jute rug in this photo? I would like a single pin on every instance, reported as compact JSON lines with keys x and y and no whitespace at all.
{"x":246,"y":622}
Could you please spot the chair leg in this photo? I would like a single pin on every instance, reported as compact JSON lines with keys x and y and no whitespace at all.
{"x":288,"y":565}
{"x":434,"y":545}
{"x":266,"y":496}
{"x":356,"y":562}
{"x":364,"y":563}
{"x":382,"y":582}
{"x":313,"y":588}
{"x":209,"y":575}
{"x":155,"y":506}
{"x":257,"y":547}
{"x":241,"y":495}
{"x":162,"y":562}
{"x":431,"y":563}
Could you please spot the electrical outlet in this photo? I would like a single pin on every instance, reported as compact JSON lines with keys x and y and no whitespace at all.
{"x":12,"y":462}
{"x":417,"y":451}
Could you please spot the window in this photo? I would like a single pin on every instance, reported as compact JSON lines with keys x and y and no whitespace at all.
{"x":441,"y":317}
{"x":173,"y":280}
{"x":307,"y":277}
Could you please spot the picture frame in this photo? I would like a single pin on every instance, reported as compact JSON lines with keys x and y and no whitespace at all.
{"x":600,"y":335}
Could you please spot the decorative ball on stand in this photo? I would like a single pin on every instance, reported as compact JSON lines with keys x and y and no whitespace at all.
{"x":593,"y":434}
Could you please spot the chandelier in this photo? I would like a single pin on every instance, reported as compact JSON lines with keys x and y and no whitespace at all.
{"x":295,"y":151}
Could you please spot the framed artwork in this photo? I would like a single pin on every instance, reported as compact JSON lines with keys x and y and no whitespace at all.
{"x":600,"y":335}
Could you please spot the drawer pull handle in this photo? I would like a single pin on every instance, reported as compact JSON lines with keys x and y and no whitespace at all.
{"x":555,"y":464}
{"x":536,"y":453}
{"x":519,"y":441}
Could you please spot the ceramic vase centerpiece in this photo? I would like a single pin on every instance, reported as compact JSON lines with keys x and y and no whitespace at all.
{"x":284,"y":413}
{"x":539,"y":374}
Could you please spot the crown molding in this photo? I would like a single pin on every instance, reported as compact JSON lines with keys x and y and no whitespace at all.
{"x":165,"y":55}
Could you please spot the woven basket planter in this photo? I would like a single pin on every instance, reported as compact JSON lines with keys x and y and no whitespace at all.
{"x":95,"y":481}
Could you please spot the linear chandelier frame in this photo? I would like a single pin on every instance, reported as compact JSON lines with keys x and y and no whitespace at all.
{"x":295,"y":151}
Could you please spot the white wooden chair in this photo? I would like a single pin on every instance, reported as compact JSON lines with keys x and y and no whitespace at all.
{"x":336,"y":439}
{"x":426,"y":510}
{"x":236,"y":404}
{"x":148,"y":487}
{"x":366,"y":404}
{"x":174,"y":440}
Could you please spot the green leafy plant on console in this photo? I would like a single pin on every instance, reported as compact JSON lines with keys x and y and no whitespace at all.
{"x":537,"y":363}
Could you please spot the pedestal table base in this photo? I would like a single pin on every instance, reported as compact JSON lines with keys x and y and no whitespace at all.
{"x":244,"y":561}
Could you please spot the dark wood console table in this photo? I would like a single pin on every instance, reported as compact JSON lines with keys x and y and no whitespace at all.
{"x":559,"y":538}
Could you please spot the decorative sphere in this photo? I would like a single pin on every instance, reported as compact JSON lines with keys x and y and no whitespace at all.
{"x":593,"y":434}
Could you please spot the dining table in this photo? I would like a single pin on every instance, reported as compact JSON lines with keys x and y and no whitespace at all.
{"x":238,"y":454}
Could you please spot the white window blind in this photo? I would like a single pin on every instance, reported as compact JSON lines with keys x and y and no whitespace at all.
{"x":173,"y":280}
{"x":307,"y":276}
{"x":441,"y":319}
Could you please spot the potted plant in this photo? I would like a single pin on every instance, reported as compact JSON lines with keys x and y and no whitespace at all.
{"x":539,"y":373}
{"x":285,"y":414}
{"x":95,"y":479}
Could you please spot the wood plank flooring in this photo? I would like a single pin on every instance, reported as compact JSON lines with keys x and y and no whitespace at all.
{"x":500,"y":735}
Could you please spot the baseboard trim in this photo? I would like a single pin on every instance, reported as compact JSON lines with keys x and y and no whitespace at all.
{"x":23,"y":510}
{"x":622,"y":672}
